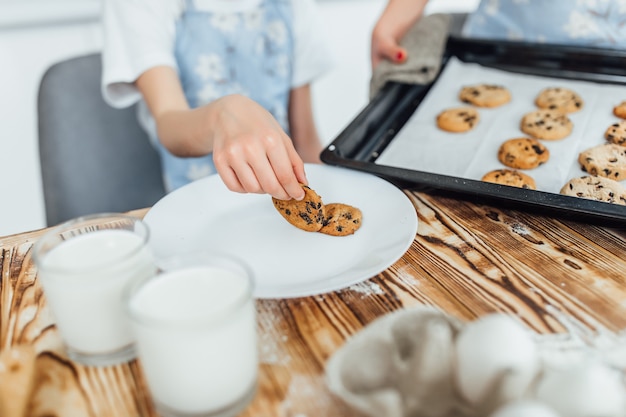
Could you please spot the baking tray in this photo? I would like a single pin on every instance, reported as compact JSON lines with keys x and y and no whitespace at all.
{"x":359,"y":145}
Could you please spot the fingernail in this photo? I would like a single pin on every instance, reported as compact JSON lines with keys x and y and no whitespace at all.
{"x":400,"y":56}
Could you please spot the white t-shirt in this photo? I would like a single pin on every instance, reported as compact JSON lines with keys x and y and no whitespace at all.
{"x":139,"y":35}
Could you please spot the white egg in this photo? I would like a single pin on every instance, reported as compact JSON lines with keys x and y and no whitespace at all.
{"x":525,"y":408}
{"x":487,"y":349}
{"x":587,"y":389}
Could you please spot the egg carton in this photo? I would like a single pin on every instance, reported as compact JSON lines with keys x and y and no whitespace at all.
{"x":406,"y":364}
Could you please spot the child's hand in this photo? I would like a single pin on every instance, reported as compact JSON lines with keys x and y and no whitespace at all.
{"x":251,"y":151}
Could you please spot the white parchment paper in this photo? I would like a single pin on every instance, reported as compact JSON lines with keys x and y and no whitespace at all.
{"x":420,"y":145}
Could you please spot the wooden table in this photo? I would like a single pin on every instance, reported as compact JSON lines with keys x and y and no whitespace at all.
{"x":467,"y":259}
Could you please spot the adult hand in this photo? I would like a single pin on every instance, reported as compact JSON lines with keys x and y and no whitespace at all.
{"x":251,"y":151}
{"x":385,"y":45}
{"x":392,"y":25}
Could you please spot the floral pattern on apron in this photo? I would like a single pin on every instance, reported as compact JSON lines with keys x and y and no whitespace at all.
{"x":218,"y":54}
{"x":599,"y":23}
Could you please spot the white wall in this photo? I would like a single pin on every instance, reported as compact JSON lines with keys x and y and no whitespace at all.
{"x":33,"y":35}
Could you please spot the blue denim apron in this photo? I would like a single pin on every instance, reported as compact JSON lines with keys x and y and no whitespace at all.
{"x":600,"y":23}
{"x":217,"y":54}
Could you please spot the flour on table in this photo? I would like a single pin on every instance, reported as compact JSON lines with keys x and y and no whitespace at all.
{"x":367,"y":288}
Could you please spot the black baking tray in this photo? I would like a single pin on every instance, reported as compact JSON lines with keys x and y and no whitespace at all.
{"x":363,"y":140}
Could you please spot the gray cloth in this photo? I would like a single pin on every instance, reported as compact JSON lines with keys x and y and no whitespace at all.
{"x":425,"y":43}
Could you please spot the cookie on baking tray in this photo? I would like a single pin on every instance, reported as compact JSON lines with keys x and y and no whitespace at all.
{"x":457,"y":120}
{"x":307,"y":214}
{"x":523,"y":153}
{"x":341,"y":219}
{"x":616,"y":133}
{"x":607,"y":160}
{"x":596,"y":188}
{"x":485,"y":95}
{"x":510,"y":177}
{"x":559,"y":99}
{"x":620,"y":110}
{"x":546,"y":124}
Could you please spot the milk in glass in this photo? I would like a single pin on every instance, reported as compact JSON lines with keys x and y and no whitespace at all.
{"x":195,"y":331}
{"x":83,"y":278}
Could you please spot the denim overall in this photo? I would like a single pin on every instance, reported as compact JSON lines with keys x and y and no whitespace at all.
{"x":599,"y":23}
{"x":217,"y":54}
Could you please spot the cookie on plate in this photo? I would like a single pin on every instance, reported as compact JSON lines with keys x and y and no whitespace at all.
{"x":341,"y":219}
{"x":620,"y":110}
{"x":559,"y":99}
{"x":510,"y":177}
{"x":546,"y":124}
{"x":523,"y":153}
{"x":457,"y":120}
{"x":485,"y":95}
{"x":616,"y":133}
{"x":607,"y":160}
{"x":307,"y":214}
{"x":596,"y":188}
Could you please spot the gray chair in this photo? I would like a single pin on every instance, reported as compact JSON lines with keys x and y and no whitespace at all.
{"x":94,"y":158}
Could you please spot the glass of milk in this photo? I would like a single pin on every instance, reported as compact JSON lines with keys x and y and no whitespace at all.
{"x":83,"y":267}
{"x":194,"y":324}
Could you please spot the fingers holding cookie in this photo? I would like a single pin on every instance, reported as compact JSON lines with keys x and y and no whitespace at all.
{"x":312,"y":215}
{"x":306,"y":214}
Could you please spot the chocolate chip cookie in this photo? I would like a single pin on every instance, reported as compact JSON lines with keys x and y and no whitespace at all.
{"x":307,"y":214}
{"x":485,"y":95}
{"x":616,"y":133}
{"x":457,"y":120}
{"x":559,"y":99}
{"x":620,"y":110}
{"x":510,"y":177}
{"x":596,"y":188}
{"x":341,"y":220}
{"x":547,"y":124}
{"x":523,"y":153}
{"x":608,"y":160}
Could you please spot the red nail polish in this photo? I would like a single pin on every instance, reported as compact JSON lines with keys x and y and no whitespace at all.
{"x":400,"y":56}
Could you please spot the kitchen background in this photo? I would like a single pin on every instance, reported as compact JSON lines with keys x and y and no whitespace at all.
{"x":35,"y":34}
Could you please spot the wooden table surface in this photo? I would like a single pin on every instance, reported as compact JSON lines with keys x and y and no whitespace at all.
{"x":467,"y":259}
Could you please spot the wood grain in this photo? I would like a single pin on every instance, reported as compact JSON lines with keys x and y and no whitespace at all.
{"x":467,"y":259}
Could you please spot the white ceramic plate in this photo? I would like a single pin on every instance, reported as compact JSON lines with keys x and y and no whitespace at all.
{"x":288,"y":262}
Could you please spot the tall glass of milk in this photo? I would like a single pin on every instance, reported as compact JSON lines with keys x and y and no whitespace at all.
{"x":83,"y":267}
{"x":195,"y":331}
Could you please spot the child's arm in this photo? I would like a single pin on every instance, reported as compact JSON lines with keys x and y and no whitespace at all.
{"x":302,"y":124}
{"x":250,"y":150}
{"x":392,"y":25}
